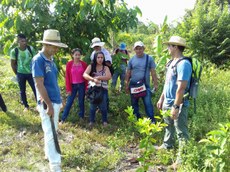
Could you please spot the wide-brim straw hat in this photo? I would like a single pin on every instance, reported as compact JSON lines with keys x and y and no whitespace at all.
{"x":177,"y":40}
{"x":96,"y":42}
{"x":52,"y":37}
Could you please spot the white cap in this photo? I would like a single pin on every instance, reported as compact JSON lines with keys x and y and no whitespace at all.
{"x":138,"y":43}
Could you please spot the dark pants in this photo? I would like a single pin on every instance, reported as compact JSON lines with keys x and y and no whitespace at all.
{"x":2,"y":104}
{"x":102,"y":106}
{"x":22,"y":78}
{"x":80,"y":89}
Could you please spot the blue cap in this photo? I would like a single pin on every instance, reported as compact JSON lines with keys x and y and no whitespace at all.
{"x":122,"y":46}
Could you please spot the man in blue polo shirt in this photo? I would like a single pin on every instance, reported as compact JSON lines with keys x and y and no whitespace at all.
{"x":45,"y":74}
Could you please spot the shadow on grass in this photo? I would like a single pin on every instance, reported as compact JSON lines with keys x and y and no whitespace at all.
{"x":20,"y":122}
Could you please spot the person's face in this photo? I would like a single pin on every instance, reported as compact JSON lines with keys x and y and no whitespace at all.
{"x":100,"y":58}
{"x":22,"y":42}
{"x":97,"y":48}
{"x":123,"y":51}
{"x":51,"y":49}
{"x":171,"y":49}
{"x":139,"y":51}
{"x":76,"y":56}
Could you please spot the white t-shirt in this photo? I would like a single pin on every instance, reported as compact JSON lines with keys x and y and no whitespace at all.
{"x":106,"y":54}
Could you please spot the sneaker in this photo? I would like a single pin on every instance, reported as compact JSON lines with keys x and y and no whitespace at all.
{"x":174,"y":166}
{"x":105,"y":124}
{"x":26,"y":109}
{"x":91,"y":124}
{"x":55,"y":168}
{"x":61,"y":122}
{"x":162,"y":147}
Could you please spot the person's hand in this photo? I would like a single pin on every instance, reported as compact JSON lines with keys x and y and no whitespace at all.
{"x":127,"y":89}
{"x":50,"y":110}
{"x":174,"y":113}
{"x":69,"y":93}
{"x":160,"y":104}
{"x":96,"y":80}
{"x":62,"y":105}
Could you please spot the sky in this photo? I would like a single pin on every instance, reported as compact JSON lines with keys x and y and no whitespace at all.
{"x":156,"y":10}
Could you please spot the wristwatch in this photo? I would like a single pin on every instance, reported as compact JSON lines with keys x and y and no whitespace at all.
{"x":175,"y":106}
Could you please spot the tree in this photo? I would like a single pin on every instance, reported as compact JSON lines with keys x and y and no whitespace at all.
{"x":208,"y":31}
{"x":77,"y":20}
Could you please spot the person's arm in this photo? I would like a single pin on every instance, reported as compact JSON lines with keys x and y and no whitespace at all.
{"x":127,"y":79}
{"x":39,"y":83}
{"x":67,"y":79}
{"x":160,"y":101}
{"x":88,"y":77}
{"x":154,"y":78}
{"x":179,"y":98}
{"x":14,"y":65}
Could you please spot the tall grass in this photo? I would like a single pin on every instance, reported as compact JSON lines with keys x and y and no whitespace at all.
{"x":103,"y":149}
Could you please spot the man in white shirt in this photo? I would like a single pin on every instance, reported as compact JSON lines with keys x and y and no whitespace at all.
{"x":97,"y":45}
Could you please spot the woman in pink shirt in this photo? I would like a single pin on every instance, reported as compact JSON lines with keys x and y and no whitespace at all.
{"x":75,"y":83}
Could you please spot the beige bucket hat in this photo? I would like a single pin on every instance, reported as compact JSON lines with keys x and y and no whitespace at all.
{"x":177,"y":40}
{"x":52,"y":37}
{"x":96,"y":42}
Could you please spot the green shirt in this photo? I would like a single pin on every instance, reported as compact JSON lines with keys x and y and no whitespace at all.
{"x":23,"y":60}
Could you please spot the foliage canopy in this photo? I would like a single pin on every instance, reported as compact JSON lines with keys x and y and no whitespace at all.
{"x":78,"y":21}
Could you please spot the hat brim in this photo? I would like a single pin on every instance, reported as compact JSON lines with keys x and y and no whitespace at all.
{"x":176,"y":43}
{"x":57,"y":44}
{"x":138,"y":46}
{"x":100,"y":44}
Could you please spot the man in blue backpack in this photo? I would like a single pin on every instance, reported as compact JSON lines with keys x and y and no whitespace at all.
{"x":21,"y":57}
{"x":176,"y":85}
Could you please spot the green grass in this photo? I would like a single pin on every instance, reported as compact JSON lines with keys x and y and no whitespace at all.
{"x":99,"y":149}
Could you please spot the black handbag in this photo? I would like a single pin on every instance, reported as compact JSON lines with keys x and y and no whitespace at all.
{"x":95,"y":94}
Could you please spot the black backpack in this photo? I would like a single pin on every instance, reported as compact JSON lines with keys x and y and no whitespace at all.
{"x":195,"y":77}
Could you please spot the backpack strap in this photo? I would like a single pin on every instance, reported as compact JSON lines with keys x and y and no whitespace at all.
{"x":16,"y":52}
{"x":29,"y":48}
{"x":186,"y":95}
{"x":146,"y":65}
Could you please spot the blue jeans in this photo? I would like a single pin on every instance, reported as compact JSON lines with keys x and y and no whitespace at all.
{"x":120,"y":73}
{"x":147,"y":103}
{"x":102,"y":106}
{"x":80,"y":89}
{"x":22,"y":78}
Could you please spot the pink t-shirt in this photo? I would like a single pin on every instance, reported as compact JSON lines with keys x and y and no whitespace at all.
{"x":77,"y":71}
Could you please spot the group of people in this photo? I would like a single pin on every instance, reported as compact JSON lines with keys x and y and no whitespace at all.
{"x":42,"y":77}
